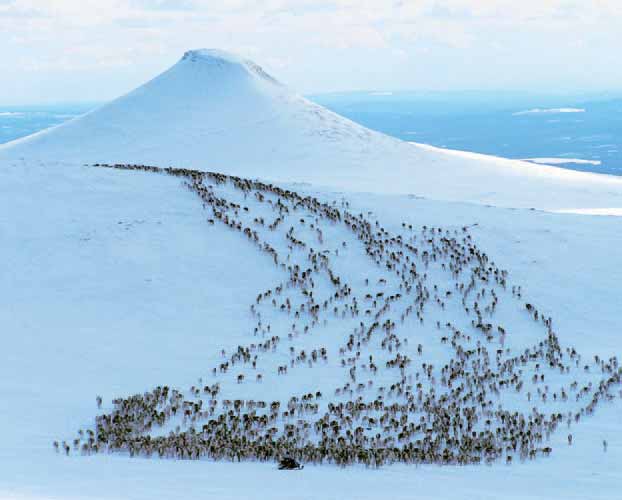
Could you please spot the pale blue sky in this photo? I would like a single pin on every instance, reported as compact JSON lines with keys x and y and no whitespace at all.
{"x":73,"y":50}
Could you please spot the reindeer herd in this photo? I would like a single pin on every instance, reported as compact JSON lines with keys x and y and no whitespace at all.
{"x":386,"y":304}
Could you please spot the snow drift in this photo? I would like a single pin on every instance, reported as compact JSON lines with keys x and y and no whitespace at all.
{"x":215,"y":111}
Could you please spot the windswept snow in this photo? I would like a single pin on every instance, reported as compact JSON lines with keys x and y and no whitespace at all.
{"x":214,"y":111}
{"x":615,"y":212}
{"x":562,"y":161}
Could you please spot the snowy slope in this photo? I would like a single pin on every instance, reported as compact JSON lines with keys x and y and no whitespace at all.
{"x":215,"y":111}
{"x":113,"y":282}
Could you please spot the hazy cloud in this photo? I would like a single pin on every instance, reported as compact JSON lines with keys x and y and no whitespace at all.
{"x":316,"y":45}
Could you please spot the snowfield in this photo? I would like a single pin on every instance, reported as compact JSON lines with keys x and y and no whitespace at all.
{"x":116,"y":281}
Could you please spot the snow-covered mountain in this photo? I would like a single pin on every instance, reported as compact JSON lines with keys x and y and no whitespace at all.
{"x":215,"y":111}
{"x":115,"y":281}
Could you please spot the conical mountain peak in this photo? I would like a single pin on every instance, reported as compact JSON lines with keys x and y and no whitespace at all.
{"x":226,"y":62}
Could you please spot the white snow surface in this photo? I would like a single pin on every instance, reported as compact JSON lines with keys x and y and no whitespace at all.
{"x":562,"y":161}
{"x":215,"y":111}
{"x":112,"y":282}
